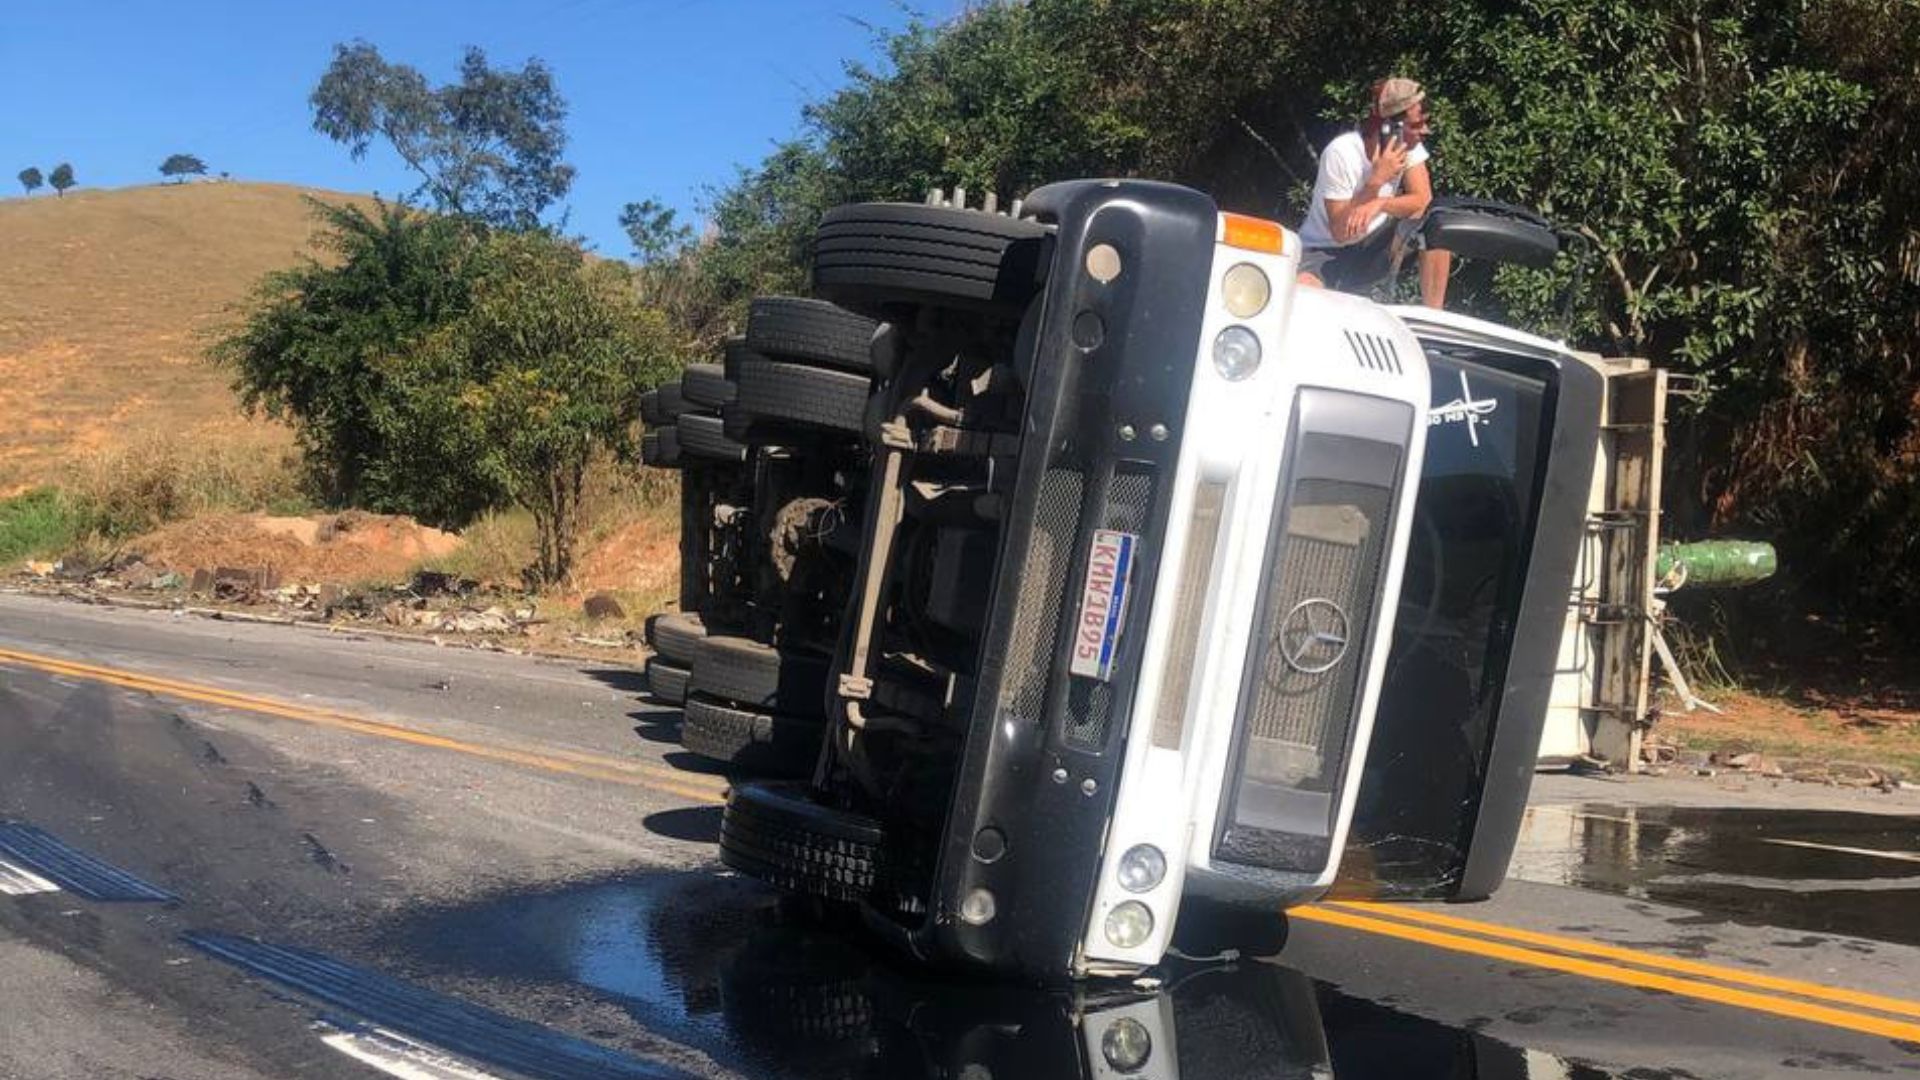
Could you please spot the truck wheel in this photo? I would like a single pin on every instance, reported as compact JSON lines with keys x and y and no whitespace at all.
{"x":703,"y":436}
{"x":737,"y":669}
{"x":705,"y":386}
{"x":794,"y":392}
{"x":810,"y":330}
{"x":779,"y":834}
{"x":802,"y":992}
{"x":664,"y":450}
{"x":676,"y":636}
{"x":666,"y":681}
{"x":876,"y":253}
{"x":661,"y":404}
{"x":767,"y":743}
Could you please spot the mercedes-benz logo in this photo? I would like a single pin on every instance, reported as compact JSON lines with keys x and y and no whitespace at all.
{"x":1313,"y":636}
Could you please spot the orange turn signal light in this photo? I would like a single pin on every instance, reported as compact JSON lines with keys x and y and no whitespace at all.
{"x":1253,"y":234}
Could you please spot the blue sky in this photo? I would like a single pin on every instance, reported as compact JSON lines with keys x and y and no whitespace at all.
{"x":666,"y":96}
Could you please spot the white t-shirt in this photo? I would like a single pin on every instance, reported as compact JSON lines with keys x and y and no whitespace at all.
{"x":1343,"y":168}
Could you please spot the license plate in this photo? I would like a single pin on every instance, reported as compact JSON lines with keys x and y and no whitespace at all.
{"x":1103,"y":605}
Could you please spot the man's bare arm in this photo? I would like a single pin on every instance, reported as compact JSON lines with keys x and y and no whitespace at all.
{"x":1349,"y":217}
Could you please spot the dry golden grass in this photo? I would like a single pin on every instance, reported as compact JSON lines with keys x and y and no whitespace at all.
{"x":105,"y":301}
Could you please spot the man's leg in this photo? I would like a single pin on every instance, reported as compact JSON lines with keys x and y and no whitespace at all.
{"x":1435,"y":265}
{"x":1313,"y":272}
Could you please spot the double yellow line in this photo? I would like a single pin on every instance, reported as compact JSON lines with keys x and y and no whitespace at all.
{"x":1852,"y":1010}
{"x":614,"y":770}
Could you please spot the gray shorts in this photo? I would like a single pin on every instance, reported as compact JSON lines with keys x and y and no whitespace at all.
{"x":1365,"y":263}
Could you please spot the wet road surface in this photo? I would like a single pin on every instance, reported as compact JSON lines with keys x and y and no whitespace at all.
{"x":1822,"y":871}
{"x":534,"y":894}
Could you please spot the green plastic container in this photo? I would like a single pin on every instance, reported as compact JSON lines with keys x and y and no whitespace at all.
{"x":1718,"y":564}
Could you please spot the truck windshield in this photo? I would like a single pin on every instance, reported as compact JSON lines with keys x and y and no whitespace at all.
{"x":1466,"y":566}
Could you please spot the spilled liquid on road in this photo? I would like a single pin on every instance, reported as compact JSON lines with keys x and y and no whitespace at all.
{"x":721,"y":965}
{"x":1823,"y":871}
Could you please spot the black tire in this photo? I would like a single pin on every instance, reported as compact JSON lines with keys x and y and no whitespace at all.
{"x":672,"y":402}
{"x":676,"y":636}
{"x":802,"y":994}
{"x":650,"y":408}
{"x":665,"y":448}
{"x":815,"y":330}
{"x":798,"y":393}
{"x":703,"y":436}
{"x":877,"y":253}
{"x":666,"y":681}
{"x":705,"y":386}
{"x":770,"y":744}
{"x":779,"y":834}
{"x":744,"y":671}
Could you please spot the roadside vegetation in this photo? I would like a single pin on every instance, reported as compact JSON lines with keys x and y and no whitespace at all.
{"x":111,"y":495}
{"x":1742,"y":171}
{"x":1739,"y":172}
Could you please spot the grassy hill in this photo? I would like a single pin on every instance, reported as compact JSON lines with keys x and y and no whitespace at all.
{"x":105,"y":300}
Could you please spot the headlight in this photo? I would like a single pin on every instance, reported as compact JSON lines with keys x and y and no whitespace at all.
{"x":1245,"y":290}
{"x":1236,"y":353}
{"x":1126,"y":1045}
{"x":1129,"y":925}
{"x":1141,"y":868}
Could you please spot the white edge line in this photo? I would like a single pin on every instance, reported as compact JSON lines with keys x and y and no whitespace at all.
{"x":1896,"y":856}
{"x":18,"y":881}
{"x":397,"y":1055}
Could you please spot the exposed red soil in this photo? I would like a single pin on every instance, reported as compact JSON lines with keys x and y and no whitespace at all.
{"x":350,"y":547}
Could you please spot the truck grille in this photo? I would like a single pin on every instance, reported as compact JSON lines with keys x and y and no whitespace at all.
{"x":1324,"y":570}
{"x":1196,"y":582}
{"x":1043,"y":585}
{"x":1297,"y":719}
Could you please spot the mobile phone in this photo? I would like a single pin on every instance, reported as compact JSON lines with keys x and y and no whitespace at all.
{"x":1393,"y":131}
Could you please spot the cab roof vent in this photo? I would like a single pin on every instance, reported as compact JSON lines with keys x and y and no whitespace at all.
{"x":1374,"y":352}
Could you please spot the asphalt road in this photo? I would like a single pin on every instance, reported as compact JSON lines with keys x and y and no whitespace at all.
{"x":384,"y":858}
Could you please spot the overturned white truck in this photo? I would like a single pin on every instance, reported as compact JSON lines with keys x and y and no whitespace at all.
{"x":1068,"y":569}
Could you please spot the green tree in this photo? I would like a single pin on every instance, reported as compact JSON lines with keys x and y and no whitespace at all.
{"x":318,"y":346}
{"x":61,"y":178}
{"x":488,"y":146}
{"x":653,"y":232}
{"x":178,"y":167}
{"x":541,"y":373}
{"x":1743,"y":169}
{"x":30,"y":179}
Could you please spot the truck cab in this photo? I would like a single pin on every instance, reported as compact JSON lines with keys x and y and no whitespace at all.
{"x":1142,"y":567}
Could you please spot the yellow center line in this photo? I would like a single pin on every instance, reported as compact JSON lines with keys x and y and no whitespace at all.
{"x":1737,"y":976}
{"x":1602,"y":972}
{"x":1509,"y":946}
{"x":570,"y":762}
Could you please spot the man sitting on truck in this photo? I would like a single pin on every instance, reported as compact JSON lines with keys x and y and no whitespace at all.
{"x":1372,"y":188}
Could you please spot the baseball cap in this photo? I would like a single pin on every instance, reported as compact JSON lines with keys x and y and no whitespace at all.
{"x":1398,"y":95}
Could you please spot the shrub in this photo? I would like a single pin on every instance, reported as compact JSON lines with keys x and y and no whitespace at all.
{"x":40,"y":523}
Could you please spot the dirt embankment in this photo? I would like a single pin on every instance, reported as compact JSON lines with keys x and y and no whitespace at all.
{"x":350,"y":547}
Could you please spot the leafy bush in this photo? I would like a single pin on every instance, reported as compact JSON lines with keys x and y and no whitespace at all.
{"x":539,"y":376}
{"x":318,"y":344}
{"x":41,"y":523}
